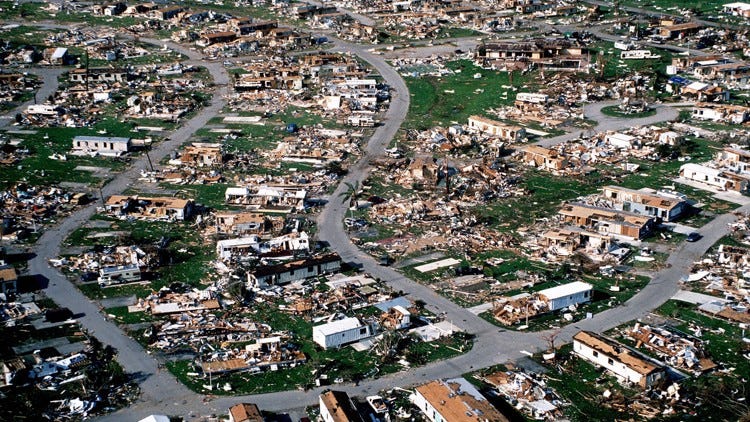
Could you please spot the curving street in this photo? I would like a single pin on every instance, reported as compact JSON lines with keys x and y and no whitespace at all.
{"x":163,"y":394}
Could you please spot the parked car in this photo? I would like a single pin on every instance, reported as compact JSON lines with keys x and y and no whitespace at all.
{"x":693,"y":237}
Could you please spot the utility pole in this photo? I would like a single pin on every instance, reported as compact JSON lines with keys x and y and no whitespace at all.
{"x":148,"y":157}
{"x":86,"y":78}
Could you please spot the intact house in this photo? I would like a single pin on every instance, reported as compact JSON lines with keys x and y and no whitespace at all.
{"x":454,"y":400}
{"x":627,"y":365}
{"x":666,"y":206}
{"x":342,"y":332}
{"x":608,"y":221}
{"x":504,"y":131}
{"x":715,"y":178}
{"x":8,"y":279}
{"x":101,"y":145}
{"x":294,"y":271}
{"x":96,"y":75}
{"x":337,"y":406}
{"x":119,"y":274}
{"x":737,"y":9}
{"x":560,"y":297}
{"x":150,"y":208}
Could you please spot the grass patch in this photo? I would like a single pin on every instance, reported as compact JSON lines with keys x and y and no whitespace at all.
{"x":615,"y":111}
{"x":431,"y":105}
{"x":546,"y":193}
{"x":122,"y":316}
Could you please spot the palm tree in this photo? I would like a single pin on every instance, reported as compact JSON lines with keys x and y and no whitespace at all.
{"x":350,"y":194}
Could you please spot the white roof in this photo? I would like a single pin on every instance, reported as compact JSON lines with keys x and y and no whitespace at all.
{"x":59,"y":52}
{"x":620,"y":137}
{"x":236,"y":191}
{"x":338,"y":326}
{"x":155,"y":418}
{"x":697,"y":86}
{"x":701,"y":169}
{"x":566,"y":290}
{"x":737,"y":5}
{"x":249,"y":240}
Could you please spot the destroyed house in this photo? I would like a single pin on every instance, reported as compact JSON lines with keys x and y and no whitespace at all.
{"x":101,"y":145}
{"x":244,"y":223}
{"x":295,"y":270}
{"x":676,"y":348}
{"x":738,"y":73}
{"x":627,"y":365}
{"x":567,"y":241}
{"x":336,"y":406}
{"x":561,"y":54}
{"x":529,"y":392}
{"x":735,"y":158}
{"x":700,"y":91}
{"x":9,"y":369}
{"x":667,"y":207}
{"x":342,"y":332}
{"x":216,"y":37}
{"x":151,"y":208}
{"x":98,"y":75}
{"x":241,"y":246}
{"x":258,"y":28}
{"x":504,"y":131}
{"x":608,"y":221}
{"x":200,"y":154}
{"x":454,"y":400}
{"x":167,"y":13}
{"x":679,"y":30}
{"x":721,"y":113}
{"x":543,"y":158}
{"x":8,"y":279}
{"x":245,"y":412}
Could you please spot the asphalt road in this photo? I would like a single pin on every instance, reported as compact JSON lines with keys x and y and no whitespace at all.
{"x":604,"y":123}
{"x":157,"y":385}
{"x":161,"y":392}
{"x":49,"y":76}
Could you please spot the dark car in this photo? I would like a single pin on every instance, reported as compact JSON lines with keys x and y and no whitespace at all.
{"x":693,"y":237}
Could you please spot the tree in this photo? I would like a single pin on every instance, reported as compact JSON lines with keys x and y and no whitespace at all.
{"x":388,"y":346}
{"x":550,"y":338}
{"x":350,"y":194}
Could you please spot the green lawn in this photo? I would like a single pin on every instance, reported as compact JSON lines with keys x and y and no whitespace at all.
{"x":432,"y":106}
{"x":122,"y":316}
{"x":546,"y":193}
{"x":39,"y":169}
